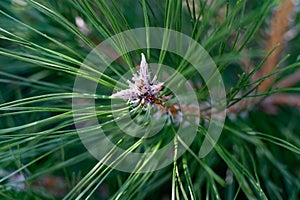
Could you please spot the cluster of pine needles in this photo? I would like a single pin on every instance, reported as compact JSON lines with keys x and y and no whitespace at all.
{"x":255,"y":45}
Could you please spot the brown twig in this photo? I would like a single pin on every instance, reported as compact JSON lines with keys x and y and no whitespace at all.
{"x":289,"y":80}
{"x":279,"y":26}
{"x":271,"y":104}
